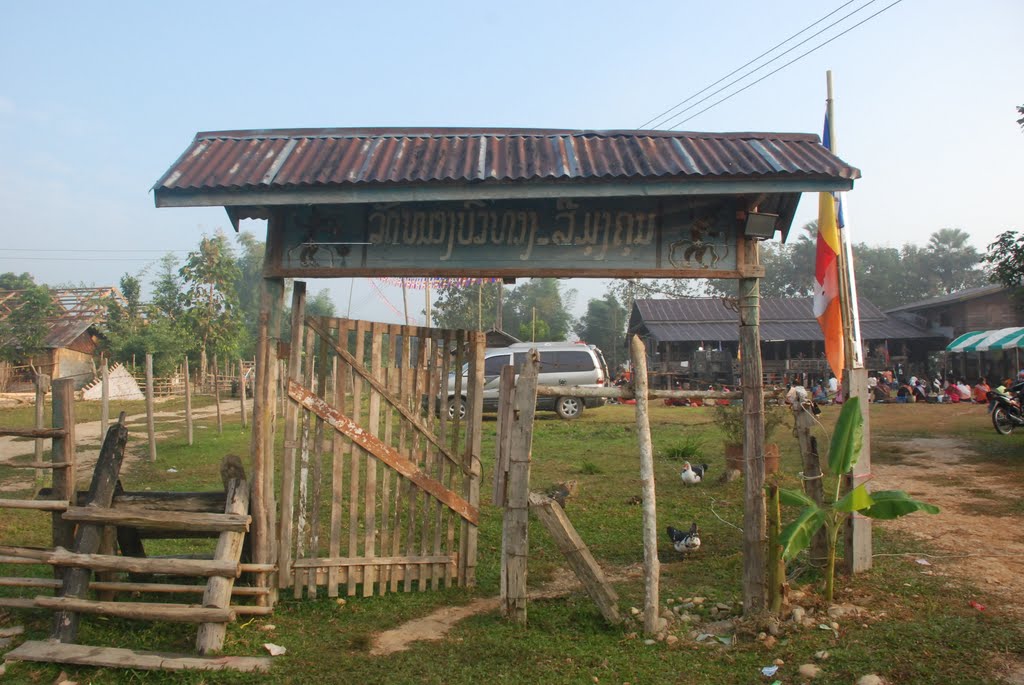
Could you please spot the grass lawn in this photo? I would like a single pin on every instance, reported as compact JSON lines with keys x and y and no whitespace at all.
{"x":920,"y":630}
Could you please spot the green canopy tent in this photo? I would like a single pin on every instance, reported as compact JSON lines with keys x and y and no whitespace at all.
{"x":991,"y":341}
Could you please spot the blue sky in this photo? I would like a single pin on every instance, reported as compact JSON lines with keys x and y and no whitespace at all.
{"x":97,"y":100}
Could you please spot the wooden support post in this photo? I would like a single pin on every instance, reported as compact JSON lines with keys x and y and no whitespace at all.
{"x":812,"y":480}
{"x":515,"y":526}
{"x":857,"y":535}
{"x":63,"y":450}
{"x":754,"y":525}
{"x":577,"y":554}
{"x":471,"y":462}
{"x":776,"y":566}
{"x":150,"y":427}
{"x":652,"y":566}
{"x":42,"y":385}
{"x":216,"y":394}
{"x":218,"y":588}
{"x":104,"y":396}
{"x":503,"y":442}
{"x":89,"y":535}
{"x":241,"y":392}
{"x":262,"y":444}
{"x":291,"y":433}
{"x":188,"y":404}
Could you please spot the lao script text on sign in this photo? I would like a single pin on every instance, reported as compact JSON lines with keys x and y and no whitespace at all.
{"x":563,"y":237}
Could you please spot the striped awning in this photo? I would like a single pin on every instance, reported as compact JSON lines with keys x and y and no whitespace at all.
{"x":983,"y":341}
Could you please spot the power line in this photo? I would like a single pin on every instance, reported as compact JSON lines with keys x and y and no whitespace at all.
{"x":796,"y":59}
{"x":79,"y":259}
{"x":766,"y":52}
{"x":76,"y":249}
{"x":773,"y":59}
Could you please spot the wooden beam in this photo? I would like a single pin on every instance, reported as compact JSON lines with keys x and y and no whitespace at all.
{"x":37,"y":504}
{"x":383,"y":452}
{"x":63,"y":450}
{"x":577,"y":554}
{"x":652,"y":565}
{"x":177,"y":567}
{"x":159,"y":520}
{"x":114,"y":657}
{"x":33,"y":432}
{"x":291,"y":433}
{"x":326,"y":562}
{"x":89,"y":536}
{"x":143,"y":611}
{"x":515,"y":527}
{"x":754,"y":521}
{"x":218,"y":589}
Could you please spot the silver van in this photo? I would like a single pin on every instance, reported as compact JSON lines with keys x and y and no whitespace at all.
{"x":561,"y":364}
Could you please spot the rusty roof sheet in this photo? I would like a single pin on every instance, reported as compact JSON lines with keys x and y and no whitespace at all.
{"x":303,"y":158}
{"x":65,"y":331}
{"x":708,"y":318}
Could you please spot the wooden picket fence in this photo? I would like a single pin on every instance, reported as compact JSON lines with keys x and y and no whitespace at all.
{"x":380,"y":486}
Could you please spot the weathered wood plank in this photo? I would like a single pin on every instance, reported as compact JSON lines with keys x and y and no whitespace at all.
{"x":179,"y":567}
{"x":373,"y":426}
{"x":355,"y":457}
{"x":37,"y":504}
{"x":384,"y":453}
{"x":150,"y":425}
{"x":63,"y":450}
{"x":89,"y":536}
{"x":115,"y":657}
{"x":516,"y":525}
{"x":754,"y":514}
{"x":339,"y":449}
{"x":652,"y":565}
{"x":471,"y":461}
{"x":291,"y":429}
{"x":142,"y":611}
{"x":306,"y":418}
{"x":577,"y":554}
{"x":374,"y":561}
{"x":218,"y":588}
{"x":317,"y":456}
{"x":422,"y":452}
{"x":33,"y":432}
{"x":159,"y":520}
{"x":503,"y":441}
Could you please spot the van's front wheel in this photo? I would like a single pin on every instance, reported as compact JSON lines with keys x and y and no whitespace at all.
{"x":569,"y":407}
{"x":456,"y":405}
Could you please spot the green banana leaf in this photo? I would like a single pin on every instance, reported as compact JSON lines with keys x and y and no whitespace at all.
{"x":847,"y":438}
{"x":854,"y":500}
{"x":890,"y":504}
{"x":797,"y":535}
{"x":795,"y":498}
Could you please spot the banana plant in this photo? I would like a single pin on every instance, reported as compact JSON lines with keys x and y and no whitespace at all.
{"x":843,"y":453}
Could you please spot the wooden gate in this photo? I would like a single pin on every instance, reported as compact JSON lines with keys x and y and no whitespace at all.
{"x":381,"y":475}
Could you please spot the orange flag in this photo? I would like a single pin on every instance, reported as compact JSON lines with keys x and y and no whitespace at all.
{"x":826,"y":284}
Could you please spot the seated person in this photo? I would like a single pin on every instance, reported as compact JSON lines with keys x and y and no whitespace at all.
{"x":920,"y":391}
{"x":882,"y":392}
{"x":818,"y":393}
{"x":952,"y":394}
{"x":979,"y":393}
{"x":904,"y":394}
{"x":964,"y":390}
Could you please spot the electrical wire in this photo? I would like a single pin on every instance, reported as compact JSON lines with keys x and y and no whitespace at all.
{"x":796,"y":59}
{"x":77,"y":249}
{"x":763,"y":54}
{"x":773,"y":59}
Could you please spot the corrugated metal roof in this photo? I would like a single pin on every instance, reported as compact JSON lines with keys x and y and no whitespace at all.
{"x":64,"y":332}
{"x":296,"y":158}
{"x":708,"y":318}
{"x":960,"y":296}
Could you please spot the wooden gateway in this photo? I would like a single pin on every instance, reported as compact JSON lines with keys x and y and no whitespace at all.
{"x":373,"y":492}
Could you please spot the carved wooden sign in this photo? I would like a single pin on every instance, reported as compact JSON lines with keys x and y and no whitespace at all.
{"x":558,"y":237}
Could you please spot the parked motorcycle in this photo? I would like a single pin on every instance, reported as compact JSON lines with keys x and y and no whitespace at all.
{"x":1006,"y":412}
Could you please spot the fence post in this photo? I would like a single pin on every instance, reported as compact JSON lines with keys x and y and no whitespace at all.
{"x":241,"y":391}
{"x":104,"y":397}
{"x":63,"y":450}
{"x":652,"y":565}
{"x":150,"y":427}
{"x":188,"y":404}
{"x":42,"y":385}
{"x":216,"y":394}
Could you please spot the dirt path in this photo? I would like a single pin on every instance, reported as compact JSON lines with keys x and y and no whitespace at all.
{"x":88,"y":439}
{"x":980,"y":526}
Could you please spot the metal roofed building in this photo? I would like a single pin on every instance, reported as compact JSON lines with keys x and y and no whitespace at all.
{"x":703,"y":333}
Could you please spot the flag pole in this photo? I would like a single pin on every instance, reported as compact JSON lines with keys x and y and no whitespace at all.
{"x":847,"y":288}
{"x":857,"y":544}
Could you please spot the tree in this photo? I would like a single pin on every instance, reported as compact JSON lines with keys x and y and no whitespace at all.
{"x":1020,"y":110}
{"x":210,"y":275}
{"x":467,"y":306}
{"x":954,"y":261}
{"x":24,"y":330}
{"x":168,"y":300}
{"x":134,"y":329}
{"x":540,"y":300}
{"x":320,"y":304}
{"x":1005,"y":256}
{"x":249,"y":285}
{"x":604,"y":325}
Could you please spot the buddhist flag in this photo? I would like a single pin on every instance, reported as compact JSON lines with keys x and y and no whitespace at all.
{"x":826,"y":283}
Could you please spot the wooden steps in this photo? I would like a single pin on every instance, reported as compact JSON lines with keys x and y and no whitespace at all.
{"x":160,"y":520}
{"x":145,"y":611}
{"x":114,"y":657}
